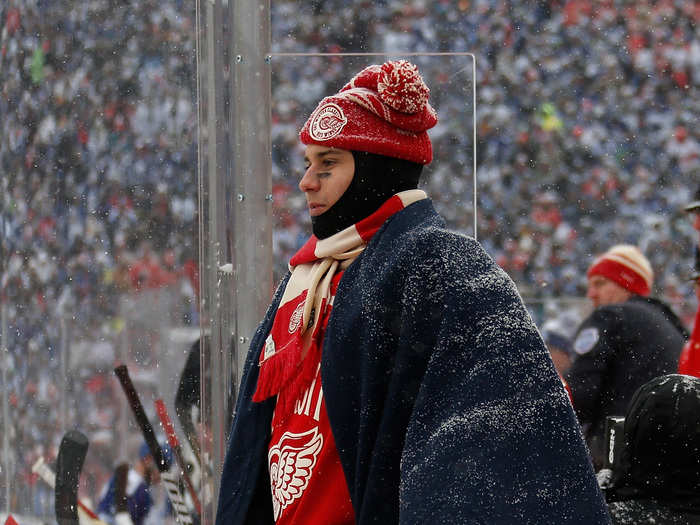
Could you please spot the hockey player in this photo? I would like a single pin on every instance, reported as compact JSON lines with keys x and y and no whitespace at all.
{"x":396,"y":377}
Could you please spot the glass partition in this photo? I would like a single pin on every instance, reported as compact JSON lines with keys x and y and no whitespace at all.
{"x":274,"y":94}
{"x":301,"y":80}
{"x":98,"y":249}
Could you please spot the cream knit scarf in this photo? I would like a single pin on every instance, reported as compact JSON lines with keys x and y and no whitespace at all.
{"x":293,"y":348}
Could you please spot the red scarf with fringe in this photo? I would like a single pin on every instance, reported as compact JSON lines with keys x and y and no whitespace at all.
{"x":292,"y":352}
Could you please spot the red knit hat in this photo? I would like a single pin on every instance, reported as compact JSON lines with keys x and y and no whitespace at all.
{"x":625,"y":265}
{"x":383,"y":110}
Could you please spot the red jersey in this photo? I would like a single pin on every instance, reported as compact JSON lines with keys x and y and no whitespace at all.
{"x":307,"y":479}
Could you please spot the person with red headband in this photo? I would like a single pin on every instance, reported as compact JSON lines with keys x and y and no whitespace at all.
{"x":629,"y":339}
{"x":397,"y":376}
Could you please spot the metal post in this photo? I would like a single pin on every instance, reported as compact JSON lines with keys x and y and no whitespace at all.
{"x":220,"y":314}
{"x":6,"y":426}
{"x":65,"y":365}
{"x":216,"y":314}
{"x":234,"y":203}
{"x":251,"y":101}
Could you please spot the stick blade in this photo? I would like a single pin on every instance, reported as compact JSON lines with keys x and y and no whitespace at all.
{"x":69,"y":463}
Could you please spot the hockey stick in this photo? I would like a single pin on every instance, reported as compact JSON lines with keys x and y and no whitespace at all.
{"x":169,"y":477}
{"x":121,"y":506}
{"x":45,"y":473}
{"x":162,"y":412}
{"x":187,"y":396}
{"x":71,"y":455}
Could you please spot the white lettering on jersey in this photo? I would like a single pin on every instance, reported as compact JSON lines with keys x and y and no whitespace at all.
{"x":291,"y":462}
{"x":303,"y":405}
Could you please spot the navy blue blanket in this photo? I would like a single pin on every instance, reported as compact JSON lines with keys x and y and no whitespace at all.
{"x":443,"y":402}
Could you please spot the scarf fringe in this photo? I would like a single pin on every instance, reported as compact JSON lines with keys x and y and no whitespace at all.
{"x":277,"y":372}
{"x":289,"y":371}
{"x":293,"y":391}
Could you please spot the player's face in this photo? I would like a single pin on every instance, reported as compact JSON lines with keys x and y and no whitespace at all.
{"x":329,"y":172}
{"x":602,"y":291}
{"x":696,"y":221}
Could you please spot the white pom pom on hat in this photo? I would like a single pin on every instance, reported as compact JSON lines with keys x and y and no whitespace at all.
{"x":383,"y":110}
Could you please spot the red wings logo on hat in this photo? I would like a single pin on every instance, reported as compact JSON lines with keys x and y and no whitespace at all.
{"x":328,"y":121}
{"x":383,"y":110}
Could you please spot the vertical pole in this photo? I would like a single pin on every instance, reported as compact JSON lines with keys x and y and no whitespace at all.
{"x":235,"y":236}
{"x":216,"y":315}
{"x":220,"y":314}
{"x":251,"y":101}
{"x":65,"y":357}
{"x":6,"y":426}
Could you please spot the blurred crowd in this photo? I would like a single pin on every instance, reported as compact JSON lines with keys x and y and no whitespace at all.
{"x":586,"y":129}
{"x":99,"y":198}
{"x":585,"y":123}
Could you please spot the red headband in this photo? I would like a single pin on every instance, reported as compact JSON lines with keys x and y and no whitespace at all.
{"x":620,"y":274}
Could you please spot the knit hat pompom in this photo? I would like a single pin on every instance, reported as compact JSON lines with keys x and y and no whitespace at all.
{"x":384,"y":110}
{"x":401,"y":87}
{"x":625,"y":265}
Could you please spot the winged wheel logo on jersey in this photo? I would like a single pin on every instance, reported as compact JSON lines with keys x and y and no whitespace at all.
{"x":291,"y":463}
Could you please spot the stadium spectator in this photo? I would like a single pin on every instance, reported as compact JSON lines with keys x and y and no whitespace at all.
{"x":139,"y":479}
{"x":149,"y":272}
{"x":445,"y":360}
{"x":627,"y":340}
{"x":659,"y":475}
{"x":558,"y":334}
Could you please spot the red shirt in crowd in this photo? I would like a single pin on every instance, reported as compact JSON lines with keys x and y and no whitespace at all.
{"x":689,"y":362}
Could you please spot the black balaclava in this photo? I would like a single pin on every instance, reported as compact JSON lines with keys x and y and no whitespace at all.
{"x":375,"y":180}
